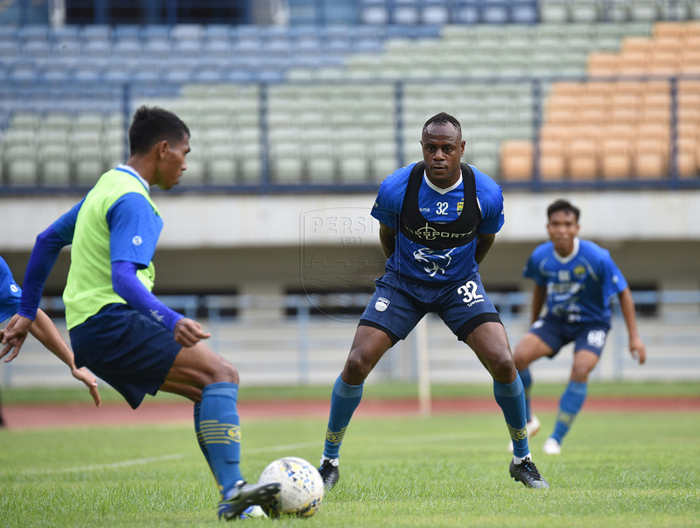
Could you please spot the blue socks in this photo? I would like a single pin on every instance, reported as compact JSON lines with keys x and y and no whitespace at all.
{"x":527,"y":385}
{"x":511,"y":398}
{"x":344,"y":401}
{"x":219,"y":433}
{"x":202,"y":445}
{"x":569,"y":406}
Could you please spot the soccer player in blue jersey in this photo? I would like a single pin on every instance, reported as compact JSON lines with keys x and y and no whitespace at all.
{"x":438,"y":220}
{"x":576,"y":278}
{"x":43,"y":329}
{"x":118,"y":328}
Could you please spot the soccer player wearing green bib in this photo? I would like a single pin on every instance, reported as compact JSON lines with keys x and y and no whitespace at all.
{"x":118,"y":328}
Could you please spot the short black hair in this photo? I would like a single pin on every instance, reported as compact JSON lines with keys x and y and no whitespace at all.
{"x":153,"y":124}
{"x":443,"y":118}
{"x":563,"y":205}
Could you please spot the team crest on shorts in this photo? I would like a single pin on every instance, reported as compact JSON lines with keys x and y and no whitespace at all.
{"x":381,"y":304}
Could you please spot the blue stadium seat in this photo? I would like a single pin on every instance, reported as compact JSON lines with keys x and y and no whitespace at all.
{"x":8,"y":34}
{"x":9,"y":50}
{"x":187,"y":32}
{"x":86,"y":70}
{"x":246,"y":32}
{"x":187,"y":48}
{"x":97,"y":32}
{"x":127,"y":48}
{"x":117,"y":69}
{"x":23,"y":69}
{"x":54,"y":71}
{"x":217,"y":48}
{"x":97,"y":49}
{"x":65,"y":34}
{"x":36,"y":48}
{"x":33,"y":33}
{"x":127,"y":32}
{"x":278,"y":47}
{"x":153,"y":33}
{"x":157,"y":49}
{"x":217,"y":32}
{"x":236,"y":75}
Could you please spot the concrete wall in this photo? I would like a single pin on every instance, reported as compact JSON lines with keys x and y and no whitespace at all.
{"x":270,"y":244}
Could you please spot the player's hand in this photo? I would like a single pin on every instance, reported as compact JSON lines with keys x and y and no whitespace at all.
{"x":84,"y":375}
{"x":188,"y":332}
{"x":13,"y":336}
{"x":638,"y":350}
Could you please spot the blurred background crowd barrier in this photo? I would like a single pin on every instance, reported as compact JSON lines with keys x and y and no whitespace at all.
{"x":305,"y":340}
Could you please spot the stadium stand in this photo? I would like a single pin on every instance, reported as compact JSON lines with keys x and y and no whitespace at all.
{"x":344,"y":103}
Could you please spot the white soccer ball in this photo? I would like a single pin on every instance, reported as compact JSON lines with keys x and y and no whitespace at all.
{"x":301,"y":490}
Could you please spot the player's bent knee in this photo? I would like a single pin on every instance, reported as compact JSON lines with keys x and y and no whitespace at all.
{"x":356,"y":369}
{"x":502,"y":368}
{"x":226,"y":373}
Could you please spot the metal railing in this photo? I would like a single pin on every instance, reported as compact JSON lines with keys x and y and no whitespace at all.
{"x":270,"y":347}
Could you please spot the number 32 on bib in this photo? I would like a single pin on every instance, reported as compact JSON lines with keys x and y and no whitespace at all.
{"x":471,"y":296}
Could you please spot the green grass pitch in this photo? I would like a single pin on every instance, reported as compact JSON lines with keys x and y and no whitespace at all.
{"x":446,"y":471}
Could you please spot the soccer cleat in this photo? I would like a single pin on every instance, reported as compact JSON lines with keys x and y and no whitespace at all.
{"x":527,"y":473}
{"x":533,"y":427}
{"x":551,"y":447}
{"x":329,"y":472}
{"x":252,"y":512}
{"x":243,"y":495}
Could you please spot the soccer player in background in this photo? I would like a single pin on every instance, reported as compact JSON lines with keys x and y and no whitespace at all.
{"x":43,"y":329}
{"x":576,"y":278}
{"x":118,"y":328}
{"x":438,"y":220}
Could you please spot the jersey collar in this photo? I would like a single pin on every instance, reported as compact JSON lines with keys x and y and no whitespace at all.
{"x":130,"y":170}
{"x":439,"y":189}
{"x":570,"y":256}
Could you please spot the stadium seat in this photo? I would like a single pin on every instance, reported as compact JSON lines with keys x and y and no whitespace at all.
{"x":582,"y":163}
{"x":516,"y":160}
{"x":552,"y":159}
{"x":616,"y":160}
{"x":650,"y":159}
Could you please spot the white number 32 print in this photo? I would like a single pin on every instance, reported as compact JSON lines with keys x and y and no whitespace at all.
{"x":469,"y":292}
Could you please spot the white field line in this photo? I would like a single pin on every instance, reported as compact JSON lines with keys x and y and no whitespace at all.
{"x":96,"y":467}
{"x":269,"y":449}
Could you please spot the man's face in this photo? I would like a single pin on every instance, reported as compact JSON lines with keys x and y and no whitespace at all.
{"x":171,"y":163}
{"x":563,"y":228}
{"x":442,"y":151}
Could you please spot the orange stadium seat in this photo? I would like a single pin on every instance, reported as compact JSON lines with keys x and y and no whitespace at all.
{"x":620,"y":131}
{"x":516,"y":160}
{"x":603,"y":64}
{"x":568,"y":88}
{"x":649,"y":159}
{"x":560,"y":115}
{"x":687,"y":157}
{"x":583,"y":163}
{"x":552,"y":159}
{"x":641,"y":45}
{"x":669,"y":29}
{"x":600,"y":88}
{"x":669,"y":44}
{"x":616,"y":162}
{"x":555,"y":132}
{"x":634,"y":63}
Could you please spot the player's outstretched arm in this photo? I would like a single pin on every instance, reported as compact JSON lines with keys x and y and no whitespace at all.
{"x":637,"y":348}
{"x":484,"y":241}
{"x":48,"y":335}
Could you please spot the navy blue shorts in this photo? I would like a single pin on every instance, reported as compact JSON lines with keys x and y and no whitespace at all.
{"x":557,"y":333}
{"x":398,"y":305}
{"x":126,"y":349}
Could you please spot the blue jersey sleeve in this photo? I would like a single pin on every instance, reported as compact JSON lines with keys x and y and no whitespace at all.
{"x":134,"y":230}
{"x":613,"y":280}
{"x":532,"y":270}
{"x":490,"y":197}
{"x":65,"y":226}
{"x":387,"y":207}
{"x":10,"y":292}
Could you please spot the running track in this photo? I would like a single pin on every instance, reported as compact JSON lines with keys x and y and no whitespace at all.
{"x":152,"y":412}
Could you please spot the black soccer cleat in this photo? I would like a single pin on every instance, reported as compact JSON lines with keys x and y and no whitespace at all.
{"x":329,"y":473}
{"x":244,"y":495}
{"x":526,"y":472}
